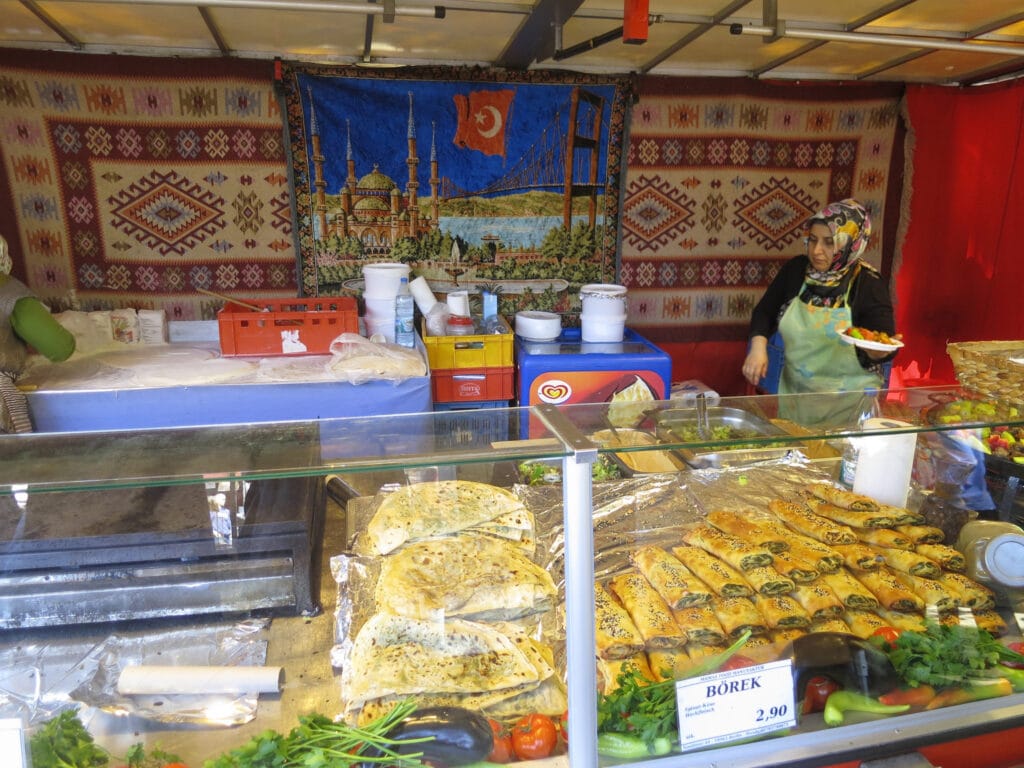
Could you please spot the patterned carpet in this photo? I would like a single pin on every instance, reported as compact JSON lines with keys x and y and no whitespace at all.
{"x":133,"y":182}
{"x":720,"y":180}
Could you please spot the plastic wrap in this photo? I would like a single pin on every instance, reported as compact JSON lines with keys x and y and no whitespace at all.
{"x":356,"y":359}
{"x":77,"y":670}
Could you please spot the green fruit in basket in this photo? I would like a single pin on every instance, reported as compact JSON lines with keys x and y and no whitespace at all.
{"x":1018,"y":459}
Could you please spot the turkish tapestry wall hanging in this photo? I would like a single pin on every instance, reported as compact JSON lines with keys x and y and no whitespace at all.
{"x":133,"y":182}
{"x":471,"y":178}
{"x":721,"y":177}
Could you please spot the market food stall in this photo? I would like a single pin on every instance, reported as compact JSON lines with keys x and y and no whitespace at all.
{"x":574,"y":532}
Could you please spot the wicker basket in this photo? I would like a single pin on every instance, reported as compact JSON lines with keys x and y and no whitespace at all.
{"x":989,"y":369}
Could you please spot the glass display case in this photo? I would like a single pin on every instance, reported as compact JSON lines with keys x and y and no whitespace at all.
{"x":124,"y":544}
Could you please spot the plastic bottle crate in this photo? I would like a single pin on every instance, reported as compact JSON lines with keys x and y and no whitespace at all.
{"x":286,"y":326}
{"x":473,"y":425}
{"x":465,"y":385}
{"x":481,"y":350}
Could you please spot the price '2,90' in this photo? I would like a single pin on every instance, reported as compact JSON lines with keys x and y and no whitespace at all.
{"x":772,"y":713}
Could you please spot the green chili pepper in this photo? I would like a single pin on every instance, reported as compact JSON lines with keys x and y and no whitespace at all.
{"x":627,"y":747}
{"x":851,"y":701}
{"x":1015,"y":676}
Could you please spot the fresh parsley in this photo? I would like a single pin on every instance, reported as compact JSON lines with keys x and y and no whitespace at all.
{"x":639,"y":707}
{"x":63,"y":742}
{"x":648,"y":710}
{"x":945,"y":656}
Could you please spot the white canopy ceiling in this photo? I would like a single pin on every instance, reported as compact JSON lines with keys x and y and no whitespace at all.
{"x":929,"y":41}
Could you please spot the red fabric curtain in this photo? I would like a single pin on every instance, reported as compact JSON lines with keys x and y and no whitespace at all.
{"x":961,"y":271}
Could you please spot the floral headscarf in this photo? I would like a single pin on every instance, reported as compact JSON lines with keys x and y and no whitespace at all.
{"x":850,"y":225}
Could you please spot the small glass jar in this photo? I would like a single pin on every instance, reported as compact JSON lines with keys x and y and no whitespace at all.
{"x":460,"y":325}
{"x":994,"y":551}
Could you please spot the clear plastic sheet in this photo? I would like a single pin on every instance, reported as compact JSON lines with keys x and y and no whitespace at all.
{"x":42,"y":678}
{"x":628,"y":513}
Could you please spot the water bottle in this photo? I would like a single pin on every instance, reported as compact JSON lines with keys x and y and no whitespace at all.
{"x":405,"y":334}
{"x":867,"y":409}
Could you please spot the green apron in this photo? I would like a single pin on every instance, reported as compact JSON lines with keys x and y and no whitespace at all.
{"x":816,"y":360}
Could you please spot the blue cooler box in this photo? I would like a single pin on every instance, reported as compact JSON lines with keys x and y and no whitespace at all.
{"x":570,"y":370}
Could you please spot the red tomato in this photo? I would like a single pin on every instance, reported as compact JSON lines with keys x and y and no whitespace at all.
{"x":174,"y":765}
{"x":737,"y":661}
{"x":1017,"y":647}
{"x":888,"y":635}
{"x":563,"y":726}
{"x":816,"y":693}
{"x":534,"y":736}
{"x":502,"y":752}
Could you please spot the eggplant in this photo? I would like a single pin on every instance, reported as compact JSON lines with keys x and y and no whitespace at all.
{"x":855,"y":664}
{"x":460,"y":736}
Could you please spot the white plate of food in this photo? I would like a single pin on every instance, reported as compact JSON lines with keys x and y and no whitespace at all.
{"x":877,"y":346}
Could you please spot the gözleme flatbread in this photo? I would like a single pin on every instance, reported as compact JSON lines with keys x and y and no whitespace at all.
{"x":475,"y":577}
{"x":420,"y":510}
{"x":394,"y":655}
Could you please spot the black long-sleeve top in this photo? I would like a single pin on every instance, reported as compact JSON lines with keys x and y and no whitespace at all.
{"x":870,"y":304}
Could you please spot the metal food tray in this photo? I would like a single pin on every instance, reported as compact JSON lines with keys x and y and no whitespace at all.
{"x":621,"y":458}
{"x":672,"y":425}
{"x":556,"y":470}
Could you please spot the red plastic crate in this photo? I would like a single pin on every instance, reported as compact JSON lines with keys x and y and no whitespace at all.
{"x":286,"y":326}
{"x":472,"y":384}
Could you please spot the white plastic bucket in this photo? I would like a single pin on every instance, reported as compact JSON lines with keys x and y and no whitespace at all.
{"x":605,"y":328}
{"x":603,"y":299}
{"x":382,"y":280}
{"x":382,"y":325}
{"x":380,"y":307}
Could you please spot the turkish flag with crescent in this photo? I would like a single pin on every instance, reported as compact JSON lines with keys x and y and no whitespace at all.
{"x":483,"y":117}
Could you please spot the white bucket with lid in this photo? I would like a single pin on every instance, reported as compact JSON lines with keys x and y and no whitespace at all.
{"x":380,"y":308}
{"x":382,"y":280}
{"x":603,"y":299}
{"x":380,"y":325}
{"x":605,"y":328}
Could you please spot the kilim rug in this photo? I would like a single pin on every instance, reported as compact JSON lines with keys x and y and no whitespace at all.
{"x":134,"y":182}
{"x":471,"y":177}
{"x":721,"y":177}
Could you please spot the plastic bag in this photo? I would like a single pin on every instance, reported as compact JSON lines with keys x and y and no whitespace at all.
{"x":356,"y":359}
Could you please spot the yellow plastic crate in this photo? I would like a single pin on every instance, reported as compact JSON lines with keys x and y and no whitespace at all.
{"x":481,"y":350}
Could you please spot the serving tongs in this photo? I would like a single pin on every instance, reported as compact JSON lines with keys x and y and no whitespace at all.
{"x":695,"y":460}
{"x":703,"y":423}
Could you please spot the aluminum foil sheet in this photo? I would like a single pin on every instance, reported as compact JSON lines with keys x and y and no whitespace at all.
{"x":43,"y":676}
{"x":628,"y":513}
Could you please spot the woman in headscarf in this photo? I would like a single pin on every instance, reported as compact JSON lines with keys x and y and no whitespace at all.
{"x":814,"y":298}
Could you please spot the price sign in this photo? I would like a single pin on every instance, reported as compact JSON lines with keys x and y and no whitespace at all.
{"x":735,"y":704}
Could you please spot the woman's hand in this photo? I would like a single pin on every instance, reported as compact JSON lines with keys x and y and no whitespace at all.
{"x":755,"y":366}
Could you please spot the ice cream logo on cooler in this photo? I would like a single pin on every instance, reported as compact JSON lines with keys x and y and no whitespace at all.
{"x":554,"y":392}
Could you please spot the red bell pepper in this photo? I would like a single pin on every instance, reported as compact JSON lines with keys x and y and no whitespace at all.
{"x":918,"y":696}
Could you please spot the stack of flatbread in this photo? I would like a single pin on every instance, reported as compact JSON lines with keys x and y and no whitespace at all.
{"x":423,"y":510}
{"x":830,"y":560}
{"x":456,"y":598}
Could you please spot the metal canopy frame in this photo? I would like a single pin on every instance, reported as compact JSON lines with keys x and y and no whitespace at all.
{"x":930,"y":41}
